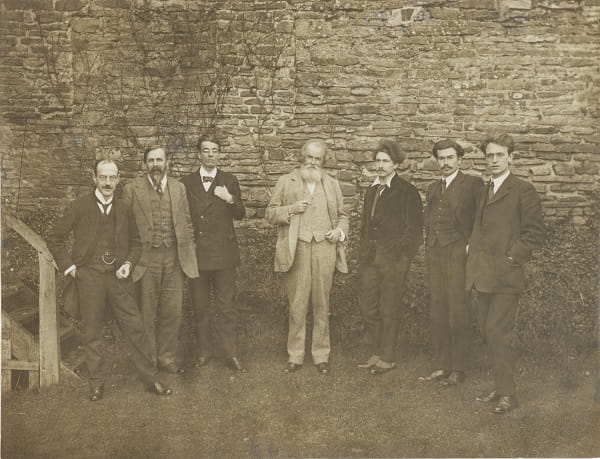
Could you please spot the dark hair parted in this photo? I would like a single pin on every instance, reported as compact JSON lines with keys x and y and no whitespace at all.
{"x":392,"y":149}
{"x":207,"y":138}
{"x":504,"y":140}
{"x":101,"y":161}
{"x":445,"y":144}
{"x":156,"y":147}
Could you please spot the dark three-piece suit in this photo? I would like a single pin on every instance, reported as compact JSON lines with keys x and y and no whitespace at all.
{"x":99,"y":240}
{"x":449,"y":217}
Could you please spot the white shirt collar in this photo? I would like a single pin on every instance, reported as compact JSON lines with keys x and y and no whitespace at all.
{"x":498,"y":181}
{"x":100,"y":197}
{"x":387,"y":182}
{"x":163,"y":182}
{"x":204,"y":173}
{"x":450,"y":178}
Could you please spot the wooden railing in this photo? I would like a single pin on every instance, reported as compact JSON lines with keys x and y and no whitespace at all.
{"x":48,"y":315}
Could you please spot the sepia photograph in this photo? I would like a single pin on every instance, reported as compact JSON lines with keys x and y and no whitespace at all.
{"x":300,"y":228}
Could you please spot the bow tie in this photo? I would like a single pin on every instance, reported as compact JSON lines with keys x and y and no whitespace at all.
{"x":207,"y":178}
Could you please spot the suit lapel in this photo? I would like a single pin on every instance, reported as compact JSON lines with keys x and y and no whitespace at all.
{"x":387,"y":196}
{"x":454,"y":188}
{"x":119,"y":218}
{"x":503,"y":190}
{"x":142,"y":191}
{"x":216,"y":182}
{"x":198,"y":191}
{"x":175,"y":205}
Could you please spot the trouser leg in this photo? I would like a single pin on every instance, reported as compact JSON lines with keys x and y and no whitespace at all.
{"x":148,"y":293}
{"x":130,"y":320}
{"x":393,"y":277}
{"x":439,"y":322}
{"x":369,"y":305}
{"x":298,"y":282}
{"x":170,"y":307}
{"x":92,"y":304}
{"x":224,"y":291}
{"x":200,"y":293}
{"x":322,"y":266}
{"x":459,"y":317}
{"x":497,"y":313}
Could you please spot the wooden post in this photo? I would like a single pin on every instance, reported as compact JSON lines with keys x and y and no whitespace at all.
{"x":6,"y":355}
{"x":49,"y":350}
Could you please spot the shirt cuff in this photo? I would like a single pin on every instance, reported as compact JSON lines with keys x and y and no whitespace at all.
{"x":343,"y":236}
{"x":69,"y":270}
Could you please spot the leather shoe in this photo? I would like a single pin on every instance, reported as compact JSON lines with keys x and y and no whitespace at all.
{"x":323,"y":368}
{"x":235,"y":364}
{"x":159,"y":389}
{"x":434,"y":376}
{"x":202,"y":360}
{"x":505,"y":404}
{"x":455,"y":378}
{"x":292,"y":367}
{"x":376,"y":370}
{"x":172,"y":368}
{"x":96,"y":393}
{"x":489,"y":398}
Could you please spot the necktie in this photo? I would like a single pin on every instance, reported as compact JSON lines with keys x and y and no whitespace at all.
{"x":207,"y":178}
{"x":105,"y":207}
{"x":378,"y":194}
{"x":443,"y":188}
{"x":491,"y":191}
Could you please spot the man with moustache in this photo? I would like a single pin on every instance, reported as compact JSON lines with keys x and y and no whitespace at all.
{"x":162,"y":214}
{"x":509,"y":225}
{"x":390,"y":235}
{"x":106,"y":246}
{"x":215,"y":201}
{"x":449,"y":214}
{"x":308,"y":209}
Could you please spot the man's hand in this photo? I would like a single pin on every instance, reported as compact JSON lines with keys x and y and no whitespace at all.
{"x":334,"y":235}
{"x":223,"y":193}
{"x":123,"y":271}
{"x":299,"y":207}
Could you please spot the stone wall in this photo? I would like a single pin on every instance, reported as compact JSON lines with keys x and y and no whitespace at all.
{"x":83,"y":79}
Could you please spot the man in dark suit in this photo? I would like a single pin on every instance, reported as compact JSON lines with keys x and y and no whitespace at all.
{"x":449,"y":214}
{"x":105,"y":249}
{"x":390,"y":235}
{"x":215,"y":201}
{"x":509,"y":225}
{"x":162,"y":214}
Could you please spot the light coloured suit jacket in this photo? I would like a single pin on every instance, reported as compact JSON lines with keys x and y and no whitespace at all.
{"x":289,"y":189}
{"x":137,"y":195}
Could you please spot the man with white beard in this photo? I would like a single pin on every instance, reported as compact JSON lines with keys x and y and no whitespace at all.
{"x":308,"y":208}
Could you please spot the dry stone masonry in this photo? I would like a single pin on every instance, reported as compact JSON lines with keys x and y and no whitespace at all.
{"x":90,"y":78}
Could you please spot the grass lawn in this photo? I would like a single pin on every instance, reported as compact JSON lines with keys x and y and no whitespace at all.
{"x":348,"y":413}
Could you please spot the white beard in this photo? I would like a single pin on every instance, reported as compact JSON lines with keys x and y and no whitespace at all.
{"x":310,"y":175}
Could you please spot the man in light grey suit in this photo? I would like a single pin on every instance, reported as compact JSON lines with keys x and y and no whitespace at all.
{"x":308,"y":209}
{"x":162,"y":214}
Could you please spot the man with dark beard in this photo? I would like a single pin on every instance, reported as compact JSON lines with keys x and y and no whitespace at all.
{"x":308,"y":209}
{"x":162,"y":214}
